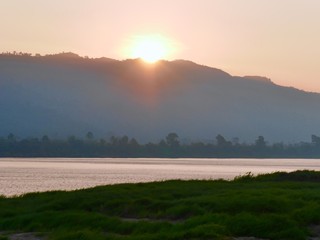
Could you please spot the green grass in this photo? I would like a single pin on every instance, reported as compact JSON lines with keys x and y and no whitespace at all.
{"x":273,"y":206}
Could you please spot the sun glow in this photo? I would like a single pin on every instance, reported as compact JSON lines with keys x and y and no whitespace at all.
{"x":150,"y":48}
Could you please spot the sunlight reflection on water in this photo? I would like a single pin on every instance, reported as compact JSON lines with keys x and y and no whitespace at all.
{"x":22,"y":175}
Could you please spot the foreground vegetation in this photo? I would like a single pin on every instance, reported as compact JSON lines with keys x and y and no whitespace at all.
{"x":274,"y":206}
{"x":171,"y":146}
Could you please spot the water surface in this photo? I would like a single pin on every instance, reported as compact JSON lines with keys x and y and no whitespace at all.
{"x":23,"y":175}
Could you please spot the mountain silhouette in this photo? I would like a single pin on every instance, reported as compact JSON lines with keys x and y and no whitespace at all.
{"x":64,"y":94}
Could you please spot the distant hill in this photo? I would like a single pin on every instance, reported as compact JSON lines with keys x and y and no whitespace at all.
{"x":64,"y":94}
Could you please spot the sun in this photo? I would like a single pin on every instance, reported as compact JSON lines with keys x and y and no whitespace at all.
{"x":150,"y":48}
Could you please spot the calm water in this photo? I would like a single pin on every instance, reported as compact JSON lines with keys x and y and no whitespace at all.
{"x":22,"y":175}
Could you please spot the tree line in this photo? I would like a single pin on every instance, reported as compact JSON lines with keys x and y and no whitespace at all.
{"x":170,"y":146}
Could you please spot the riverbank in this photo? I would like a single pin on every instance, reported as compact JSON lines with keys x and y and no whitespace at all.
{"x":272,"y":206}
{"x":170,"y":147}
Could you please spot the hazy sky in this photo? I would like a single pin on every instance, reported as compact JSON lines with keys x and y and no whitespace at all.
{"x":275,"y":38}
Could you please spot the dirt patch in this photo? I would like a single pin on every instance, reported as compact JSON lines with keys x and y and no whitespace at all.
{"x":315,"y":232}
{"x":249,"y":238}
{"x":151,"y":220}
{"x":25,"y":236}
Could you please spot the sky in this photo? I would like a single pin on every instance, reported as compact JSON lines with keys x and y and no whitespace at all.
{"x":272,"y":38}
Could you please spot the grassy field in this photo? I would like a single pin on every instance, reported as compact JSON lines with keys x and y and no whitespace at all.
{"x":274,"y":206}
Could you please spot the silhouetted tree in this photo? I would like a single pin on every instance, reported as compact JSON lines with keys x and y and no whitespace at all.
{"x":124,"y":141}
{"x":133,"y":143}
{"x":11,"y":137}
{"x":89,"y":136}
{"x":315,"y":140}
{"x":71,"y":139}
{"x":221,"y":141}
{"x":114,"y":140}
{"x":45,"y":139}
{"x":172,"y":140}
{"x":260,"y":142}
{"x":102,"y":141}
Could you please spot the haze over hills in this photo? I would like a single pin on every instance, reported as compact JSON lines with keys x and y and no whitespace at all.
{"x":64,"y":94}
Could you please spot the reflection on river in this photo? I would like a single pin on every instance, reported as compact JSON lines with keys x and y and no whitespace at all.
{"x":22,"y":175}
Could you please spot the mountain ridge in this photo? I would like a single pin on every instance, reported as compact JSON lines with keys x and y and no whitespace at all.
{"x":66,"y":94}
{"x":67,"y":56}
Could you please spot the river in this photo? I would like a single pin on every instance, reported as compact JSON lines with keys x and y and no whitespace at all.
{"x":23,"y":175}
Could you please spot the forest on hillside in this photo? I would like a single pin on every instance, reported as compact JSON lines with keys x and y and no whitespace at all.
{"x":170,"y":146}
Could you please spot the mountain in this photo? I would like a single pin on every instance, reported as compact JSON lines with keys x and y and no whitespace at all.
{"x":64,"y":94}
